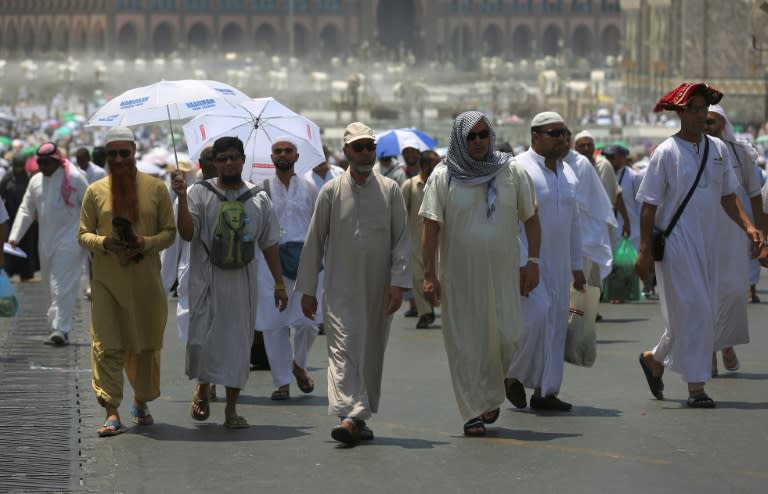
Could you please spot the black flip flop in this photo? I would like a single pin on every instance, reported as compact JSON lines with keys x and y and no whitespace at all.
{"x":471,"y":426}
{"x":654,"y":383}
{"x":701,"y":400}
{"x":494,"y":416}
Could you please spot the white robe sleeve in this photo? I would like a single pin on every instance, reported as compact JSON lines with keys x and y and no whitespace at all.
{"x":25,"y":214}
{"x":401,"y":242}
{"x":314,"y":246}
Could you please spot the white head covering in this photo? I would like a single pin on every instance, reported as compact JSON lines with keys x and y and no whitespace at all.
{"x":286,"y":138}
{"x":412,"y":142}
{"x":582,"y":135}
{"x":728,"y":134}
{"x":116,"y":134}
{"x":545,"y":118}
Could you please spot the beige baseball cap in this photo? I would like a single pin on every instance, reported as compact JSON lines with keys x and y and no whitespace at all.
{"x":356,"y":131}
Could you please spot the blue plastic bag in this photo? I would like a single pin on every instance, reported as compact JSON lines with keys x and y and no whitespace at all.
{"x":9,"y":303}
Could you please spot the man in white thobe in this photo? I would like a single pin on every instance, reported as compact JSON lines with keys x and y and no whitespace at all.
{"x":737,"y":268}
{"x":473,"y":205}
{"x":293,"y":199}
{"x":629,"y":181}
{"x":413,"y":193}
{"x":689,"y":273}
{"x":539,"y":361}
{"x":53,"y":197}
{"x":223,"y":301}
{"x":596,"y":218}
{"x":92,"y":171}
{"x":359,"y":233}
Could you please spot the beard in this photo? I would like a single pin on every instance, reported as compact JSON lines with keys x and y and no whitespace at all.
{"x":125,"y":195}
{"x":230,"y":179}
{"x":283,"y":165}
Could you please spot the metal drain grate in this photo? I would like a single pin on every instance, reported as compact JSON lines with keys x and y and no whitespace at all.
{"x":39,"y":408}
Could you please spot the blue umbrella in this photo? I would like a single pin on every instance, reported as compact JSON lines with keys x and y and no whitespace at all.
{"x":391,"y":142}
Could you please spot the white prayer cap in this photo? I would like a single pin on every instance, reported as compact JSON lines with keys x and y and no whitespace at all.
{"x":411,"y":142}
{"x":286,"y":138}
{"x":729,"y":134}
{"x":116,"y":134}
{"x":582,"y":135}
{"x":545,"y":118}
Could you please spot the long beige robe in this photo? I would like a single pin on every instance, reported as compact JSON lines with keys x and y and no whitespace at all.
{"x":129,"y":308}
{"x":413,"y":193}
{"x":223,"y":301}
{"x":360,"y":234}
{"x":479,"y":277}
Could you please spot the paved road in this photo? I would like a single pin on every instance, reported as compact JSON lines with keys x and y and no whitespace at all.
{"x":616,"y":439}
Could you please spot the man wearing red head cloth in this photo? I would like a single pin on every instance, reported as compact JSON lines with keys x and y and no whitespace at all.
{"x":688,"y":273}
{"x":53,"y":197}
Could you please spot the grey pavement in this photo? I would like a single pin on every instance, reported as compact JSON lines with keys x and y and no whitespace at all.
{"x":618,"y":438}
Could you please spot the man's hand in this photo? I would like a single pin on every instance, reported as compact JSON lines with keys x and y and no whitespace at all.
{"x":137,"y":247}
{"x":115,"y":246}
{"x":394,"y":299}
{"x":431,"y":288}
{"x":529,"y":278}
{"x":756,"y":241}
{"x":178,"y":184}
{"x":579,"y":281}
{"x":281,"y":299}
{"x":626,"y":231}
{"x":644,"y":265}
{"x":309,"y":306}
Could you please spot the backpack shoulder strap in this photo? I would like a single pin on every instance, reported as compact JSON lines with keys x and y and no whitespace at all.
{"x":210,"y":187}
{"x":248,"y":194}
{"x":266,"y":188}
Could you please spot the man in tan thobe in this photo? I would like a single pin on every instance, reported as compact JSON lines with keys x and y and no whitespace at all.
{"x":359,"y":233}
{"x":129,"y":307}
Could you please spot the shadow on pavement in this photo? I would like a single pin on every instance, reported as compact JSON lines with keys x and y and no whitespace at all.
{"x":576,"y":411}
{"x":749,"y":376}
{"x":404,"y":442}
{"x":530,"y":436}
{"x":214,"y":431}
{"x":294,"y":400}
{"x":619,"y":320}
{"x":613,"y":342}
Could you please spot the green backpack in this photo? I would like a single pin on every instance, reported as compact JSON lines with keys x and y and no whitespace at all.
{"x":232,"y":245}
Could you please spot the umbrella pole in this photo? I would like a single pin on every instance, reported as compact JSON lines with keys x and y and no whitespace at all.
{"x":173,"y":140}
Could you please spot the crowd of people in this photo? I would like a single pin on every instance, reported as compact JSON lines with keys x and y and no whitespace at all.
{"x":497,"y":240}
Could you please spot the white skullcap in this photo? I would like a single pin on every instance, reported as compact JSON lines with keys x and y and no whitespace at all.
{"x":583,"y":134}
{"x":545,"y":118}
{"x":116,"y":134}
{"x":412,"y":142}
{"x":286,"y":138}
{"x":729,"y":133}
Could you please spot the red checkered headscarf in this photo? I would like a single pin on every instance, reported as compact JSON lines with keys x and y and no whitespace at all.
{"x":50,"y":150}
{"x":677,"y":99}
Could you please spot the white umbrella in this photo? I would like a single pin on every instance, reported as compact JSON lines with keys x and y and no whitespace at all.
{"x":258,"y":123}
{"x":166,"y":101}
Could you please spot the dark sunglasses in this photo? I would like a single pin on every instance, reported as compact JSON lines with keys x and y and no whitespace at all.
{"x":124,"y":153}
{"x":711,"y":121}
{"x":223,"y":158}
{"x":555,"y":133}
{"x":483,"y":134}
{"x":359,"y":146}
{"x":282,"y":150}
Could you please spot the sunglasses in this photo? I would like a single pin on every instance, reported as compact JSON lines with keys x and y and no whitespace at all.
{"x":359,"y":146}
{"x":124,"y":153}
{"x":483,"y":134}
{"x":711,"y":121}
{"x":223,"y":158}
{"x":282,"y":150}
{"x":555,"y":133}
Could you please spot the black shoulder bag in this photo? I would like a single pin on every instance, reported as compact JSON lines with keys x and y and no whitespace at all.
{"x":659,"y":235}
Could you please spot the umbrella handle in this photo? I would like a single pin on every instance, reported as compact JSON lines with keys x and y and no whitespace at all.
{"x":173,"y":140}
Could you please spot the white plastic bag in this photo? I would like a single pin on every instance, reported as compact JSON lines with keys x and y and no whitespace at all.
{"x":580,"y":342}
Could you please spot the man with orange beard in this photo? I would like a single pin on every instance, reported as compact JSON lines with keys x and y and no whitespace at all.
{"x":125,"y":221}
